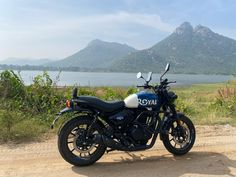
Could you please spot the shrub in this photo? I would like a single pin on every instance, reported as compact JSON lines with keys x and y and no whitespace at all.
{"x":11,"y":86}
{"x":184,"y":106}
{"x":27,"y":106}
{"x":41,"y":96}
{"x":17,"y":127}
{"x":86,"y":91}
{"x":225,"y":101}
{"x":131,"y":90}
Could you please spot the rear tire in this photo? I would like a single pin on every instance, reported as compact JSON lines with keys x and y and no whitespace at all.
{"x":72,"y":145}
{"x":180,"y":136}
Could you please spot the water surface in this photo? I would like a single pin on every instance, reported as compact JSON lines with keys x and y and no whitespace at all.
{"x":120,"y":79}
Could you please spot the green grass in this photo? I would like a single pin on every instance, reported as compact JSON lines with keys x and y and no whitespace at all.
{"x":26,"y":112}
{"x":201,"y":103}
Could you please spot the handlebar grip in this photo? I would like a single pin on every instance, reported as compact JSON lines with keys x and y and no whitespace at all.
{"x":171,"y":82}
{"x":144,"y":86}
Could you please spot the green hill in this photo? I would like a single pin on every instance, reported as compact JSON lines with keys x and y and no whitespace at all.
{"x":98,"y":54}
{"x":189,"y":50}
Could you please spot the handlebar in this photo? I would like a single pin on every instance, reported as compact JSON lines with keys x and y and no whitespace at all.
{"x":163,"y":83}
{"x":171,"y":82}
{"x":145,"y":86}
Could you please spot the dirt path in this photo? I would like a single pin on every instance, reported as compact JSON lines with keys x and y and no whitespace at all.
{"x":214,"y":154}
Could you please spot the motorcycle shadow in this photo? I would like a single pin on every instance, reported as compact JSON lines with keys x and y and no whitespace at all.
{"x":133,"y":164}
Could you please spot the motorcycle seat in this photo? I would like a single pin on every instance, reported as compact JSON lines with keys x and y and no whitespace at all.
{"x":100,"y":104}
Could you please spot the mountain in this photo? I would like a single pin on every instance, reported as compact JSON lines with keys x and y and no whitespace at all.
{"x":188,"y":50}
{"x":25,"y":61}
{"x":97,"y":54}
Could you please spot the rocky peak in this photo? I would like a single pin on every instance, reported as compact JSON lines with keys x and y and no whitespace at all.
{"x":202,"y":30}
{"x":96,"y":42}
{"x":185,"y":27}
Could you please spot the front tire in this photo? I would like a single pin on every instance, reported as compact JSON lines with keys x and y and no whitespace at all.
{"x":179,"y":136}
{"x":73,"y":145}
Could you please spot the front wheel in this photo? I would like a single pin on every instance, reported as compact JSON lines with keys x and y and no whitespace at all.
{"x":179,"y":136}
{"x":76,"y":146}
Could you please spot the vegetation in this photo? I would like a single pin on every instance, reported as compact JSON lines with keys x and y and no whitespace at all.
{"x":52,"y":68}
{"x":26,"y":112}
{"x":209,"y":104}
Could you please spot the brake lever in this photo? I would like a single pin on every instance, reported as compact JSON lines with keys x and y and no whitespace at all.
{"x":171,"y":82}
{"x":139,"y":86}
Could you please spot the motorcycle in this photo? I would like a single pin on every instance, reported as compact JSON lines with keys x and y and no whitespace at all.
{"x":129,"y":125}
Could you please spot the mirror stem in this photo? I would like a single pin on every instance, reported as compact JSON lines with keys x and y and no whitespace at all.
{"x":163,"y":75}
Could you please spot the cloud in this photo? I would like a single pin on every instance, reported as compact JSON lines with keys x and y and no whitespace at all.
{"x":126,"y":18}
{"x":58,"y":31}
{"x":105,"y":20}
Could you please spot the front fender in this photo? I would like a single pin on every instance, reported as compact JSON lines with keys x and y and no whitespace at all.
{"x":167,"y":120}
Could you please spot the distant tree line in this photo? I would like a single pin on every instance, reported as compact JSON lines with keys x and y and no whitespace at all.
{"x":118,"y":69}
{"x":51,"y":68}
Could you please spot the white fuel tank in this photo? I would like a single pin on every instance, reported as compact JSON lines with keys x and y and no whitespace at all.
{"x":131,"y":101}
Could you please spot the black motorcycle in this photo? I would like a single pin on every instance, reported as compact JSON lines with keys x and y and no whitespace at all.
{"x":129,"y":125}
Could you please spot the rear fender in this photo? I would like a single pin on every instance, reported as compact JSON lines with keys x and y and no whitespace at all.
{"x":75,"y":109}
{"x":101,"y":124}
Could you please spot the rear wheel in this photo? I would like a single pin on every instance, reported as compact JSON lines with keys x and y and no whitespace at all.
{"x":180,"y":136}
{"x":76,"y":146}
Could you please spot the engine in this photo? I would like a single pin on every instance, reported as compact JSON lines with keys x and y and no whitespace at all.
{"x":122,"y":119}
{"x":137,"y":127}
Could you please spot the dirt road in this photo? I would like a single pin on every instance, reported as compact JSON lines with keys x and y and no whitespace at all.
{"x":214,"y":154}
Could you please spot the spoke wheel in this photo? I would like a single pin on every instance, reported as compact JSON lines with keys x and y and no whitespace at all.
{"x":76,"y":144}
{"x":79,"y":145}
{"x":180,"y":136}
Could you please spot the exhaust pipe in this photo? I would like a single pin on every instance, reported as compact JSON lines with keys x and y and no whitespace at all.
{"x":109,"y":142}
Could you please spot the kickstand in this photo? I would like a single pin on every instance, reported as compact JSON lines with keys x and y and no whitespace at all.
{"x":109,"y":150}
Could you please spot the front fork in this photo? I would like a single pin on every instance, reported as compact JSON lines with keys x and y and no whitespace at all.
{"x":170,"y":115}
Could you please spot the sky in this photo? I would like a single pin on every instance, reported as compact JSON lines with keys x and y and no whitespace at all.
{"x":58,"y":28}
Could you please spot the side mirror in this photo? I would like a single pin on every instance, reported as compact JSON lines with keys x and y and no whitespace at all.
{"x":139,"y":75}
{"x":166,"y":70}
{"x":167,"y":67}
{"x":149,"y":78}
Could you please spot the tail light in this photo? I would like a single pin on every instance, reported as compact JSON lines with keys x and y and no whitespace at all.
{"x":68,"y":103}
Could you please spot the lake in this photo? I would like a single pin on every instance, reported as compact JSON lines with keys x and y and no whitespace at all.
{"x":121,"y":79}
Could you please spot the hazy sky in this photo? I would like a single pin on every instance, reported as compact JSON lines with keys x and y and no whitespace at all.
{"x":58,"y":28}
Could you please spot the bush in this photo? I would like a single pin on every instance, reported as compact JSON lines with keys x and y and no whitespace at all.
{"x":225,"y":101}
{"x":14,"y":126}
{"x":131,"y":90}
{"x":41,"y":97}
{"x":11,"y":86}
{"x":86,"y":91}
{"x":27,"y":106}
{"x":184,"y":106}
{"x":17,"y":127}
